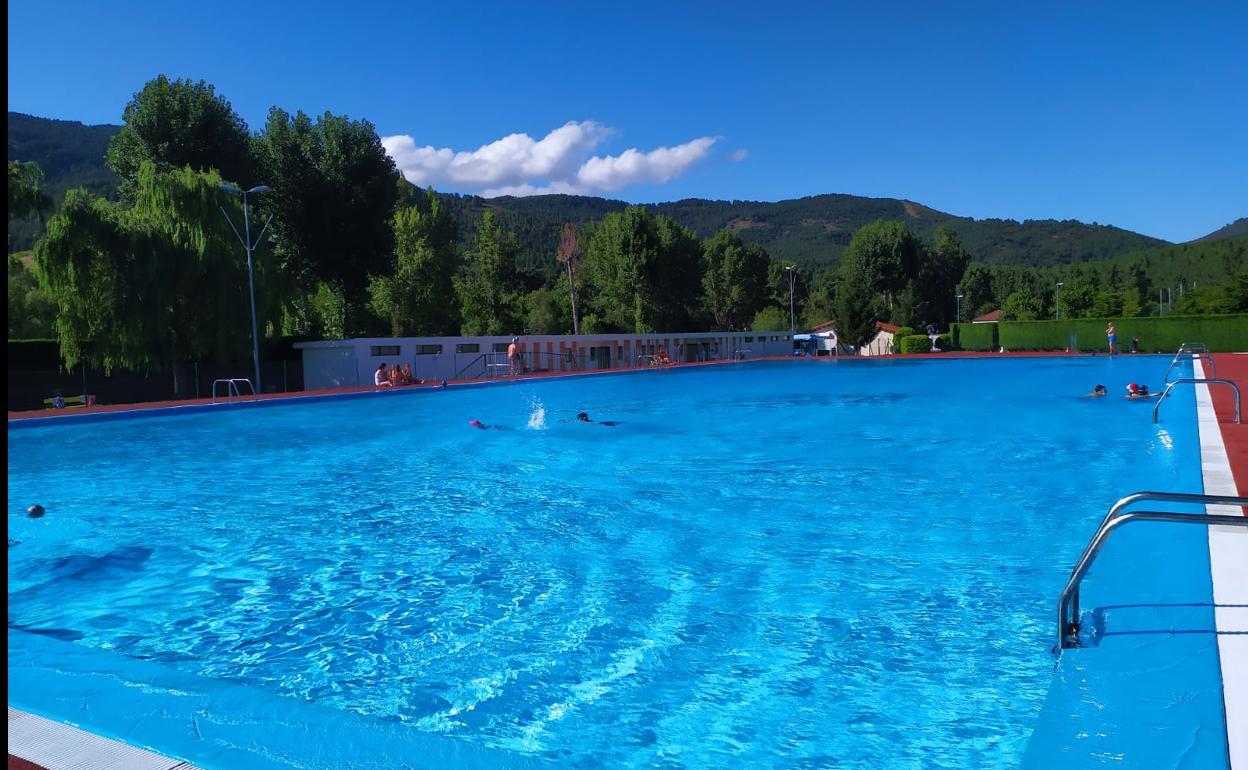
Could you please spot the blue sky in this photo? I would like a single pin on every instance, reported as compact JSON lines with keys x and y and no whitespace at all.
{"x":1132,"y":114}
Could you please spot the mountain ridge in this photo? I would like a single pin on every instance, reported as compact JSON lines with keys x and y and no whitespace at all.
{"x":811,"y":230}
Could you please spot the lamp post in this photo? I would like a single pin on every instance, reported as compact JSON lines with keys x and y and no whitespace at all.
{"x":250,"y":246}
{"x":959,"y":316}
{"x":1059,"y":300}
{"x":792,"y":271}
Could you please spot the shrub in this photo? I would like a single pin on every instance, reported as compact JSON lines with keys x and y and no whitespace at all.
{"x":945,"y":341}
{"x":1165,"y":334}
{"x":916,"y":343}
{"x":969,"y":336}
{"x":902,"y":332}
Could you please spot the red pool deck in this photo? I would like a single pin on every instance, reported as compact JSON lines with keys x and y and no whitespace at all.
{"x":1233,"y":367}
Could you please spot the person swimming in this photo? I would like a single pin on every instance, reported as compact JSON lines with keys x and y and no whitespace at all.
{"x":482,"y":426}
{"x":1138,"y":391}
{"x":584,"y":417}
{"x":1099,"y":390}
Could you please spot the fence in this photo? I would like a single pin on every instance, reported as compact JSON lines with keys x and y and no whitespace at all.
{"x":35,"y":374}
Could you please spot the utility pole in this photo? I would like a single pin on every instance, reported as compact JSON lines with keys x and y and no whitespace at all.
{"x":569,"y":255}
{"x":792,"y":271}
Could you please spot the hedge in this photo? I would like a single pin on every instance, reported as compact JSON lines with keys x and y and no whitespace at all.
{"x":970,"y":336}
{"x":902,"y":331}
{"x":1156,"y":334}
{"x":916,"y":343}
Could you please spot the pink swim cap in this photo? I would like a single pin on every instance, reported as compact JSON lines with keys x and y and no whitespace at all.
{"x":474,"y":423}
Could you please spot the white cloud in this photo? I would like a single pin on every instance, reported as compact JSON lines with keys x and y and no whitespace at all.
{"x":738,"y":155}
{"x":559,"y":162}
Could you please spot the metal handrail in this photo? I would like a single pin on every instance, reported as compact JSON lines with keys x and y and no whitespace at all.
{"x":232,"y":387}
{"x":1199,"y":380}
{"x":1068,"y":604}
{"x":1067,"y":624}
{"x":1201,"y":353}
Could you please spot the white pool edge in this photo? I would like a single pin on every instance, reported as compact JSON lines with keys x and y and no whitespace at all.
{"x":1228,"y":569}
{"x":58,"y":746}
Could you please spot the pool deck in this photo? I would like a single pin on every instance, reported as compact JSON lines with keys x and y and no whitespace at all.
{"x":36,"y":743}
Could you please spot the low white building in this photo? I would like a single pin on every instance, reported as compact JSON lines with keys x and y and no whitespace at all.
{"x":352,"y":363}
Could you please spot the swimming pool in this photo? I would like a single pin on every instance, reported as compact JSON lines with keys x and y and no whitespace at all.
{"x":806,"y":564}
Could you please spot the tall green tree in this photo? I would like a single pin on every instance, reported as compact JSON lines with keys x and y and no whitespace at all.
{"x":938,"y":277}
{"x":31,"y":313}
{"x":489,"y":285}
{"x":734,"y":280}
{"x":26,"y":195}
{"x":619,"y":264}
{"x":156,"y":282}
{"x":976,"y":290}
{"x":333,"y":194}
{"x":877,"y":270}
{"x":418,"y":298}
{"x":180,"y":123}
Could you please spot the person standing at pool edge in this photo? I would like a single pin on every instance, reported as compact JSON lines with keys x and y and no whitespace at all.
{"x":513,"y":352}
{"x":1112,"y":336}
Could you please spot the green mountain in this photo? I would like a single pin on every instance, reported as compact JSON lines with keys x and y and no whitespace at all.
{"x":811,"y":231}
{"x":814,"y":230}
{"x":1236,"y":229}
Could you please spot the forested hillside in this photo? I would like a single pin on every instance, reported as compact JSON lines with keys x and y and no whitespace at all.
{"x":810,"y":231}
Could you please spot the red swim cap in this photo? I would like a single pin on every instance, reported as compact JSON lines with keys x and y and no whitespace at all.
{"x":474,"y":423}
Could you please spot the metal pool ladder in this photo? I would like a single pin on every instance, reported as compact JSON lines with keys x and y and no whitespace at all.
{"x":1198,"y":380}
{"x":1195,"y":350}
{"x":231,"y":390}
{"x":1118,"y":516}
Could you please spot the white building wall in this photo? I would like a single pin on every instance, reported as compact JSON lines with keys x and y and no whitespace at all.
{"x":351,"y":363}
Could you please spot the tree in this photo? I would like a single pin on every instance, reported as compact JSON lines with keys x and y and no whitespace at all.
{"x":333,"y":199}
{"x":770,"y":319}
{"x":31,"y":313}
{"x":154,"y":283}
{"x":881,"y":260}
{"x":488,"y":285}
{"x":1021,"y":306}
{"x":939,"y":273}
{"x":419,"y":297}
{"x":734,"y":280}
{"x":855,"y":309}
{"x":26,"y":195}
{"x":177,"y":124}
{"x":620,"y":266}
{"x":569,"y":255}
{"x":976,"y":290}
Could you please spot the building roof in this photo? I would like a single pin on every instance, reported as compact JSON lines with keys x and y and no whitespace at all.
{"x":988,"y":318}
{"x":886,"y":327}
{"x":826,"y":326}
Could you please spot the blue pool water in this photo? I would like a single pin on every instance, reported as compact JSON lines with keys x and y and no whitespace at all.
{"x":807,"y":564}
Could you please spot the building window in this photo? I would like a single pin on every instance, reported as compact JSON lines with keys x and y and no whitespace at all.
{"x":383,"y":350}
{"x":468,"y":347}
{"x":428,"y":350}
{"x":775,"y":338}
{"x":501,"y":347}
{"x":749,"y":339}
{"x":787,"y":338}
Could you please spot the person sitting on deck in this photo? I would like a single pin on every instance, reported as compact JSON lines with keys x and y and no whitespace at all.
{"x":381,"y":378}
{"x":408,"y":377}
{"x":661,"y":358}
{"x":396,"y":376}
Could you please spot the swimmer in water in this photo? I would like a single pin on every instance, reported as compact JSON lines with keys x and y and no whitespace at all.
{"x":1139,"y":391}
{"x":482,"y":426}
{"x":36,"y":511}
{"x":584,"y":417}
{"x":1099,"y":390}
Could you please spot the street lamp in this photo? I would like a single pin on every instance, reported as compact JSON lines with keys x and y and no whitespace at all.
{"x":250,"y":246}
{"x":960,"y":296}
{"x":792,"y":271}
{"x":1059,"y":300}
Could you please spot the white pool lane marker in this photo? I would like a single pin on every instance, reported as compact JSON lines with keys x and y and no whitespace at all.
{"x":57,"y":746}
{"x":1228,"y":565}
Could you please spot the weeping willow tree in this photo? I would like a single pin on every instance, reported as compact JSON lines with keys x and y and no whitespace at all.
{"x":155,"y":283}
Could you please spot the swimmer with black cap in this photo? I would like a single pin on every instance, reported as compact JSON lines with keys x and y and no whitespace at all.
{"x":584,"y":417}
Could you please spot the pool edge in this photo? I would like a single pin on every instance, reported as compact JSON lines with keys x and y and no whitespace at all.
{"x":1229,"y":576}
